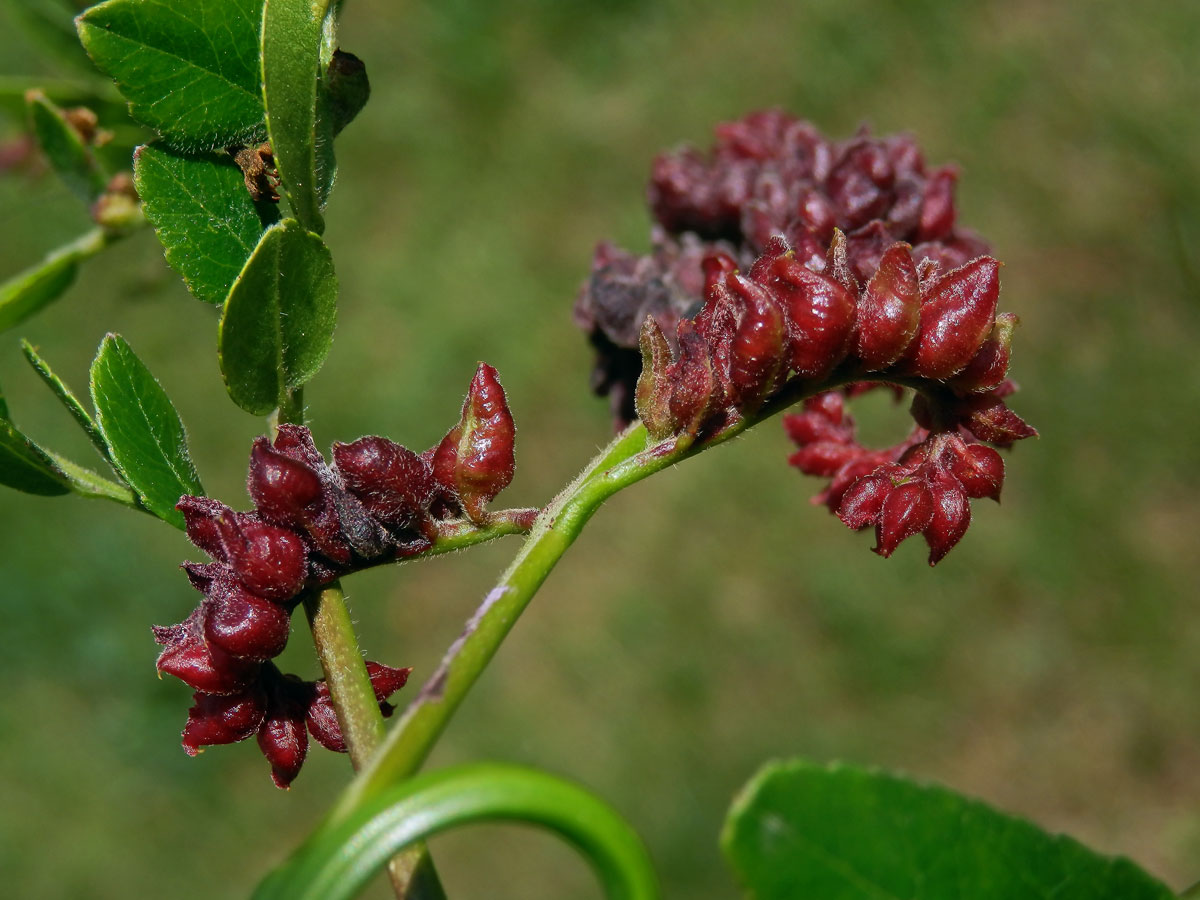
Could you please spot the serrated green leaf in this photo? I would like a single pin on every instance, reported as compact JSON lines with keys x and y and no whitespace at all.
{"x":66,"y":398}
{"x":26,"y":466}
{"x":142,"y":430}
{"x":279,"y":318}
{"x":189,"y":70}
{"x":63,"y":146}
{"x":28,"y":292}
{"x":203,"y":215}
{"x":291,"y":50}
{"x":843,"y":833}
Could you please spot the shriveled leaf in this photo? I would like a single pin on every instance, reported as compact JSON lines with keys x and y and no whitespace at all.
{"x":189,"y":70}
{"x":66,"y":397}
{"x":26,"y":466}
{"x":64,"y":147}
{"x":291,"y":51}
{"x":26,"y":293}
{"x":203,"y":215}
{"x":843,"y":833}
{"x":279,"y":318}
{"x":142,"y":430}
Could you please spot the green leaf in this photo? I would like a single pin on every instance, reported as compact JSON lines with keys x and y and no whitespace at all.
{"x":69,"y":156}
{"x":66,"y":398}
{"x":203,"y":215}
{"x":3,"y":406}
{"x":25,"y":294}
{"x":142,"y":430}
{"x":341,"y":857}
{"x":278,"y":320}
{"x":800,"y":830}
{"x":291,"y":52}
{"x":26,"y":466}
{"x":190,"y":69}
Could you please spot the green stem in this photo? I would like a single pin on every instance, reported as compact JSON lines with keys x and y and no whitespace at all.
{"x":340,"y":858}
{"x":349,"y":685}
{"x":412,"y":872}
{"x":628,"y":459}
{"x":291,"y":408}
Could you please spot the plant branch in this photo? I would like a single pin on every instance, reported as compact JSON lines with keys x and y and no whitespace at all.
{"x":630,"y":458}
{"x":349,"y":685}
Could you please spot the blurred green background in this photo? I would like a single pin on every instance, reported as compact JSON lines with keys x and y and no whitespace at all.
{"x":711,"y":617}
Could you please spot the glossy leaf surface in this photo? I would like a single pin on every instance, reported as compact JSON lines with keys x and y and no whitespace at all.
{"x":844,"y":833}
{"x":279,"y":318}
{"x":291,"y":51}
{"x":203,"y":216}
{"x":189,"y":70}
{"x":142,"y":429}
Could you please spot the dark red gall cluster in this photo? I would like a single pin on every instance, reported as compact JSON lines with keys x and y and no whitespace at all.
{"x":920,"y":486}
{"x":910,"y":322}
{"x":781,"y":319}
{"x":783,"y":260}
{"x":771,"y":173}
{"x":312,"y":523}
{"x":768,"y":175}
{"x":281,"y":711}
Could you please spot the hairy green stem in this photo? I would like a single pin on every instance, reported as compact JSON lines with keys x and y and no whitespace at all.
{"x":412,"y":872}
{"x":349,"y":685}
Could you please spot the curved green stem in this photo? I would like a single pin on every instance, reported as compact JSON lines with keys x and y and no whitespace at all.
{"x":628,"y":459}
{"x":340,"y":858}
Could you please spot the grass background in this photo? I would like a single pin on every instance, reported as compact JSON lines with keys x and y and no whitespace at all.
{"x":711,"y":618}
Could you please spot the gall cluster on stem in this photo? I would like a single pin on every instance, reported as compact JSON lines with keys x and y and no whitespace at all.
{"x":313,"y":522}
{"x":786,"y":261}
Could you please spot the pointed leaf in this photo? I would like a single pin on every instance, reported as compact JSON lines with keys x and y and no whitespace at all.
{"x":142,"y":430}
{"x":66,"y":398}
{"x":189,"y":70}
{"x":26,"y":293}
{"x":26,"y":466}
{"x":843,"y":833}
{"x":64,"y":147}
{"x":203,"y":216}
{"x":291,"y":51}
{"x":279,"y":318}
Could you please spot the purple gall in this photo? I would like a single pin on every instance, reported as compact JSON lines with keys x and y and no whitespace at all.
{"x":395,"y":485}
